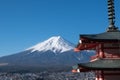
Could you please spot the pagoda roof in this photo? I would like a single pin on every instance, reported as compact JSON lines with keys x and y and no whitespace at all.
{"x":102,"y":64}
{"x":103,"y":36}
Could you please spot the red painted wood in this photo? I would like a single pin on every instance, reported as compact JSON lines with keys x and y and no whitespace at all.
{"x":111,"y":48}
{"x":104,"y":49}
{"x":112,"y":74}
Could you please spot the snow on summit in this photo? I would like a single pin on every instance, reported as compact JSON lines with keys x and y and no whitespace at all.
{"x":55,"y":44}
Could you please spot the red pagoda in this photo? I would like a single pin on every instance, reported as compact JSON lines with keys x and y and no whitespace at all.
{"x":106,"y":62}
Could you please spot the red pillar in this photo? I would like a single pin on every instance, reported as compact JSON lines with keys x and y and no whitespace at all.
{"x":99,"y":75}
{"x":101,"y":51}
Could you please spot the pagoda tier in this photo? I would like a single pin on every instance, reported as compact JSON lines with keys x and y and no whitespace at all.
{"x":106,"y":45}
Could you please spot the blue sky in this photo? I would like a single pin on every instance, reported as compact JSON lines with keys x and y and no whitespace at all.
{"x":24,"y":23}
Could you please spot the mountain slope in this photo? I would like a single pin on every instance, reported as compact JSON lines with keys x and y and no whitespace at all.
{"x":54,"y":52}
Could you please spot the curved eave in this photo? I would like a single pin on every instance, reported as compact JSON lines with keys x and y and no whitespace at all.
{"x":114,"y":36}
{"x":102,"y":64}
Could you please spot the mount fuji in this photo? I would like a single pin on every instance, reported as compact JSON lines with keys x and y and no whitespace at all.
{"x":55,"y":52}
{"x":55,"y":44}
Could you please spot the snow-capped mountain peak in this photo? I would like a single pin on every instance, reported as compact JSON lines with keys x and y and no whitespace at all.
{"x":55,"y":44}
